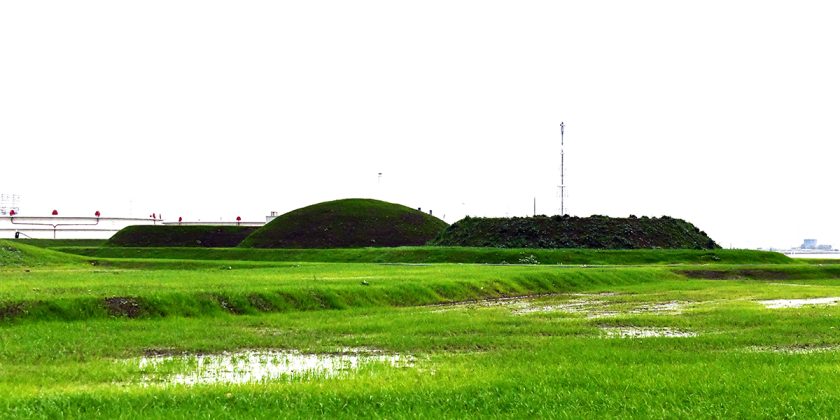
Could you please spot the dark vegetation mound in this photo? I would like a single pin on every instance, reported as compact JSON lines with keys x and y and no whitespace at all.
{"x":174,"y":235}
{"x":349,"y":223}
{"x":576,"y":232}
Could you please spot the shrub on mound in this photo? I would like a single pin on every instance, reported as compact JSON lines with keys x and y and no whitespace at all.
{"x":176,"y":235}
{"x":348,"y":223}
{"x":576,"y":232}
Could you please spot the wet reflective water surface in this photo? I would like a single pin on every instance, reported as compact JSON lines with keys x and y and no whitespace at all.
{"x":798,"y":303}
{"x":794,"y":349}
{"x":645,"y":332}
{"x":255,"y":366}
{"x":590,"y":305}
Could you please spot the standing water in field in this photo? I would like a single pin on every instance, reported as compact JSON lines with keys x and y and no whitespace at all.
{"x":798,"y":303}
{"x":255,"y":366}
{"x":645,"y":332}
{"x":590,"y":305}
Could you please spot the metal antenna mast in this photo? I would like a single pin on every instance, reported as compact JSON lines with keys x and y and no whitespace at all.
{"x":562,"y":172}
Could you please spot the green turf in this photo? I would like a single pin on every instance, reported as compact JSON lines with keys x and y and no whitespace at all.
{"x":349,"y":223}
{"x":70,"y":349}
{"x":52,"y":243}
{"x":18,"y":254}
{"x":433,"y":254}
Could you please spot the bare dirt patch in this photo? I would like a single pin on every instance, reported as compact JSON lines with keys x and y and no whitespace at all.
{"x":752,"y":274}
{"x":260,"y":303}
{"x":128,"y":307}
{"x":766,"y":274}
{"x":707,"y":274}
{"x":227,"y":305}
{"x":11,"y":310}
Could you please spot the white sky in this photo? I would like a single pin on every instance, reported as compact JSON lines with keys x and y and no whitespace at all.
{"x":723,"y":113}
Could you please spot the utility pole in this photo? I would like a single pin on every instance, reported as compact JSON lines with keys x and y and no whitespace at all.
{"x":562,"y":172}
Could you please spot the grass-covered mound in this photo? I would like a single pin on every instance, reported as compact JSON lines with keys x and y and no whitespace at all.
{"x":16,"y":254}
{"x":349,"y":223}
{"x":174,"y":235}
{"x":576,"y":232}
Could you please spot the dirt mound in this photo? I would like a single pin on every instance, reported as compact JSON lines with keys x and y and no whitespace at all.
{"x":576,"y":232}
{"x":187,"y":236}
{"x":349,"y":223}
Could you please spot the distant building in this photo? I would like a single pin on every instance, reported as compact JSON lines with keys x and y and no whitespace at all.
{"x":271,"y":216}
{"x":9,"y":204}
{"x":84,"y":227}
{"x":66,"y":227}
{"x":825,"y":247}
{"x":809,"y":244}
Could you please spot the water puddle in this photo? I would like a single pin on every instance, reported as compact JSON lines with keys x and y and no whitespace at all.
{"x":672,"y":307}
{"x":804,"y":349}
{"x":645,"y":332}
{"x":256,"y":366}
{"x":517,"y":302}
{"x":593,"y":308}
{"x":798,"y":303}
{"x":590,"y":305}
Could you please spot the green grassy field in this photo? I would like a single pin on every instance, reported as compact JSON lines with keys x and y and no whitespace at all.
{"x":690,"y":338}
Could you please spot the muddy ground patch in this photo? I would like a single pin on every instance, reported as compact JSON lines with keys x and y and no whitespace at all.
{"x":752,"y":274}
{"x":124,"y":306}
{"x":11,"y":310}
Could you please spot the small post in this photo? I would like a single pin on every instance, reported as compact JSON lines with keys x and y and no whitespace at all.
{"x":562,"y":172}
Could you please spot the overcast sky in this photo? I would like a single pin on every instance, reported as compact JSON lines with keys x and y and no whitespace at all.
{"x":723,"y":113}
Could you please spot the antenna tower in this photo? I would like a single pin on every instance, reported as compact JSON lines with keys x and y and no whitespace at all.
{"x":562,"y":172}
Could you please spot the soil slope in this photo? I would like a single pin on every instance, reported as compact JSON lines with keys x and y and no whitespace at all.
{"x":576,"y":232}
{"x":173,"y":235}
{"x":348,"y":223}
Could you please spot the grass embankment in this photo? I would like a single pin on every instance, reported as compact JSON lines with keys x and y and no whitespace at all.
{"x":349,"y":223}
{"x":181,"y":236}
{"x":50,"y":294}
{"x":16,"y":254}
{"x":212,"y":288}
{"x":52,"y":243}
{"x":599,"y":232}
{"x":432,"y":254}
